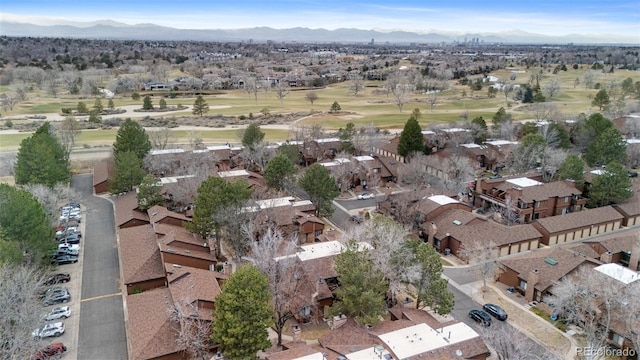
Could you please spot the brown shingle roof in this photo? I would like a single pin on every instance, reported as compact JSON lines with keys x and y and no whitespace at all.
{"x":204,"y":255}
{"x":168,"y":234}
{"x":293,"y":351}
{"x":580,"y":219}
{"x":158,"y":213}
{"x":102,"y":170}
{"x":500,"y":234}
{"x":126,"y":208}
{"x":348,"y":338}
{"x":140,"y":257}
{"x":190,"y":285}
{"x":151,"y":333}
{"x":617,"y":245}
{"x":567,"y":261}
{"x":632,"y":206}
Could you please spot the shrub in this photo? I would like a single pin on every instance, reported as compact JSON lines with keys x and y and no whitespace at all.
{"x":66,"y":110}
{"x":8,"y":123}
{"x":135,"y":96}
{"x":242,"y":117}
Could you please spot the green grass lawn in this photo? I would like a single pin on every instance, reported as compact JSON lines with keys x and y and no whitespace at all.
{"x":370,"y":106}
{"x":107,"y":137}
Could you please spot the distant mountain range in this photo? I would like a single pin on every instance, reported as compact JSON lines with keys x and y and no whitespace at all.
{"x":108,"y":29}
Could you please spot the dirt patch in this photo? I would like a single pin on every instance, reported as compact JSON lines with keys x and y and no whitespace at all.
{"x":7,"y":180}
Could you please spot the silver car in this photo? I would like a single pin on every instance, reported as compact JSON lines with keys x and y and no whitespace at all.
{"x":49,"y":330}
{"x":58,"y":313}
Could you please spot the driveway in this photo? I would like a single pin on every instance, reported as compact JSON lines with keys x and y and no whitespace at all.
{"x":102,"y":330}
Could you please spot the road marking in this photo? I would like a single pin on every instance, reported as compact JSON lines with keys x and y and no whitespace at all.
{"x":101,"y":297}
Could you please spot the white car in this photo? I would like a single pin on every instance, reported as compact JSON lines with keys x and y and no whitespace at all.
{"x":65,"y":246}
{"x":365,"y":196}
{"x":49,"y":330}
{"x":58,"y":313}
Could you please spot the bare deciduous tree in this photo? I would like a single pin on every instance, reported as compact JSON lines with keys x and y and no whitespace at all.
{"x":67,"y":132}
{"x":544,"y":111}
{"x":399,"y":85}
{"x":161,"y":138}
{"x":591,"y":300}
{"x":357,"y":83}
{"x":311,"y":97}
{"x":194,"y":333}
{"x":19,"y":298}
{"x":510,"y":344}
{"x":588,"y":79}
{"x":50,"y":198}
{"x":459,"y":171}
{"x":251,"y":87}
{"x":195,"y":140}
{"x":275,"y":257}
{"x":414,"y":172}
{"x":552,"y":88}
{"x":282,"y":90}
{"x":9,"y":101}
{"x":483,"y":253}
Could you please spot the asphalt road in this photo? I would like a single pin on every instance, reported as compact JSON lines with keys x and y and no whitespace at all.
{"x":464,"y":303}
{"x":102,"y":330}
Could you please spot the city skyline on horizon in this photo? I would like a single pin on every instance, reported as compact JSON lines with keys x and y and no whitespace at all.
{"x":545,"y":17}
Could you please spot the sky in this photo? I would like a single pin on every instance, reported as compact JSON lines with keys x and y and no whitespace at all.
{"x":548,"y":17}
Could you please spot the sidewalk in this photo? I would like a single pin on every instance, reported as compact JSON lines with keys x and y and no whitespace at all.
{"x":536,"y":328}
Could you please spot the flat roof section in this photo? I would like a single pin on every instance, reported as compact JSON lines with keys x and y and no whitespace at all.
{"x":233,"y":173}
{"x":421,"y":338}
{"x":524,"y":182}
{"x":442,"y":200}
{"x":618,"y":272}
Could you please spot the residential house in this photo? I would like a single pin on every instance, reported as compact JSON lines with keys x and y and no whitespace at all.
{"x":127,"y":213}
{"x":194,"y":290}
{"x":578,"y":225}
{"x":291,"y":217}
{"x":140,"y":259}
{"x":534,"y":274}
{"x":623,"y":250}
{"x":151,"y":333}
{"x":102,"y":172}
{"x":491,"y":155}
{"x":454,"y":229}
{"x":315,"y":150}
{"x":254,"y":180}
{"x":631,"y":208}
{"x":409,"y":335}
{"x":529,"y":199}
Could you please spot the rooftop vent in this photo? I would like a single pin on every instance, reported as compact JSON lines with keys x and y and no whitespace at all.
{"x":457,"y":222}
{"x":550,"y":261}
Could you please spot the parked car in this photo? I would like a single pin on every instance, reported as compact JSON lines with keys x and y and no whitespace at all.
{"x":632,"y":174}
{"x":49,"y":330}
{"x":71,"y":231}
{"x":70,"y":206}
{"x":57,"y":278}
{"x":496,"y":311}
{"x":57,"y":298}
{"x":71,"y":239}
{"x":77,"y":217}
{"x":365,"y":196}
{"x":50,"y":351}
{"x":69,"y":246}
{"x":58,"y":313}
{"x":67,"y":251}
{"x":480,"y":316}
{"x":54,"y":290}
{"x":64,"y":259}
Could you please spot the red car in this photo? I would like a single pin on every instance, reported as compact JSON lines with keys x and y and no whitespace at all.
{"x":50,"y":351}
{"x":58,"y":278}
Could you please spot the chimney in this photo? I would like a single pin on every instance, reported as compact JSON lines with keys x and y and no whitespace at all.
{"x":297,"y":333}
{"x":338,"y":321}
{"x":433,"y":229}
{"x":635,"y":257}
{"x":607,"y":257}
{"x":532,"y":280}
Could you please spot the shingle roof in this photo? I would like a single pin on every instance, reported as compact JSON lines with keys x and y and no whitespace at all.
{"x":567,"y":261}
{"x":348,"y":338}
{"x":632,"y":206}
{"x":466,"y":227}
{"x":204,"y":255}
{"x":546,"y":191}
{"x":580,"y":219}
{"x":140,"y":256}
{"x":126,"y":209}
{"x":158,"y":213}
{"x":168,"y":234}
{"x":102,"y":170}
{"x":189,"y":285}
{"x":618,"y":244}
{"x":151,"y":333}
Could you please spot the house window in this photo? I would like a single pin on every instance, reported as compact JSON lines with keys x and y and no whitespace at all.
{"x":538,"y":204}
{"x":617,"y":339}
{"x":523,"y":285}
{"x":317,"y":233}
{"x":564,"y":211}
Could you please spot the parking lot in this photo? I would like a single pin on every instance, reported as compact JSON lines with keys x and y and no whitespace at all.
{"x":70,"y":336}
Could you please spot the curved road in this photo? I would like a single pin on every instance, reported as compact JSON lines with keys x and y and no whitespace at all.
{"x":102,"y":331}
